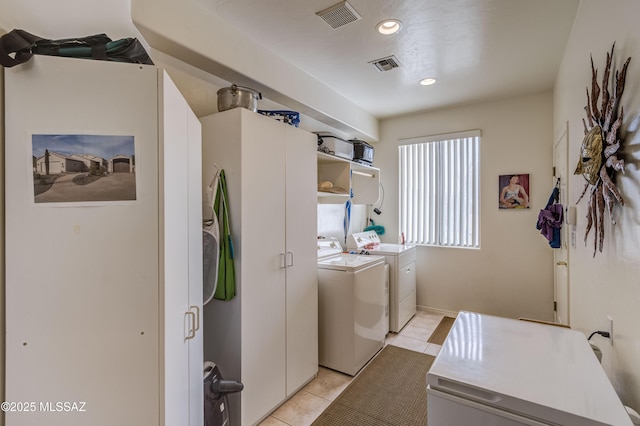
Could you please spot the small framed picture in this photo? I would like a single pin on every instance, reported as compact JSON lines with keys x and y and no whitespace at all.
{"x":513,"y":191}
{"x":82,"y":169}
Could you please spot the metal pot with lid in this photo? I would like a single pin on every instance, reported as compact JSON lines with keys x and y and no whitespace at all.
{"x":238,"y":96}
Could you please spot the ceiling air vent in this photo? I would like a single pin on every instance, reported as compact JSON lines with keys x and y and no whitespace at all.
{"x":386,"y":64}
{"x":339,"y":14}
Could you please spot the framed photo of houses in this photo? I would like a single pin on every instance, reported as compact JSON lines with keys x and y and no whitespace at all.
{"x":513,"y":191}
{"x":83,"y":168}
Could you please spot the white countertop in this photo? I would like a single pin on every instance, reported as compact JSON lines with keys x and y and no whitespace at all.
{"x":526,"y":367}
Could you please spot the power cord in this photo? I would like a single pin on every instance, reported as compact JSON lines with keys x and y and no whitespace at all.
{"x":381,"y":198}
{"x":602,"y":333}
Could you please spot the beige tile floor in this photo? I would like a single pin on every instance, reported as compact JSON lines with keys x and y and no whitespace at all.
{"x":308,"y":403}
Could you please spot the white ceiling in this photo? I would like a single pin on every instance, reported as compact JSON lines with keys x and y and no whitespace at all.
{"x":477,"y":49}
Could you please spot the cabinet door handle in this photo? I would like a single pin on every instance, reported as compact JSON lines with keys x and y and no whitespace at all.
{"x":197,"y":319}
{"x":283,"y":261}
{"x":561,"y":263}
{"x":290,"y":254}
{"x":192,"y":330}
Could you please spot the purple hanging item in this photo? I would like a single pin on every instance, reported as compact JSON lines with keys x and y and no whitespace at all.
{"x":550,"y":219}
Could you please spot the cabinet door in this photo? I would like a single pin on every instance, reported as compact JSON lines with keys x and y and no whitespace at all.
{"x":365,"y":183}
{"x":194,"y":166}
{"x":262,"y":259}
{"x":175,"y":255}
{"x":406,"y":293}
{"x":182,"y":231}
{"x":302,"y":278}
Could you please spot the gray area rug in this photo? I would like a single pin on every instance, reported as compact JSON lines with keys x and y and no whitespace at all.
{"x":391,"y":390}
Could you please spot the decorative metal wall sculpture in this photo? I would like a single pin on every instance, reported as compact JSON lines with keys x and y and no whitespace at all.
{"x":599,"y":161}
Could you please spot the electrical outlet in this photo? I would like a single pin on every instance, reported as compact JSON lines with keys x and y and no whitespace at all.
{"x":610,"y":328}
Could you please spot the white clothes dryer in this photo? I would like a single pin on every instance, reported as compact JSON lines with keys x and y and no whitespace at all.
{"x":351,"y":307}
{"x":401,"y":259}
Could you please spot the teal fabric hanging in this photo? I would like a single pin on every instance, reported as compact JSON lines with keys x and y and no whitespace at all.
{"x":226,"y":288}
{"x":373,"y":227}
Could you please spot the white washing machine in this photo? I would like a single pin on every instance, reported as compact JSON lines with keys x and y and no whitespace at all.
{"x":401,"y":259}
{"x":351,"y":307}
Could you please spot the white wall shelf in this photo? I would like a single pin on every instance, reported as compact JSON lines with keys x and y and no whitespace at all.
{"x":363,"y":180}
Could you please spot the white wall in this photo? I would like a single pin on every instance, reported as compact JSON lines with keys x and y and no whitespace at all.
{"x":331,"y":220}
{"x":607,"y":284}
{"x":69,"y":18}
{"x":511,"y":275}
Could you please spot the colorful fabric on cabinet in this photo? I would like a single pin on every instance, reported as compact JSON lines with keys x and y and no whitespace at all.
{"x":226,"y":288}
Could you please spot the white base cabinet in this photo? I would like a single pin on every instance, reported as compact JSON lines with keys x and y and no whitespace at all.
{"x":267,"y":336}
{"x":102,"y":291}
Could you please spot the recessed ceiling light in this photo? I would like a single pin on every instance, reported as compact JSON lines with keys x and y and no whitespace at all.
{"x":427,"y":81}
{"x":389,"y":26}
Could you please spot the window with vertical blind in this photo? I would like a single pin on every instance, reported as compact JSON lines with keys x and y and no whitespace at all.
{"x":440,"y":190}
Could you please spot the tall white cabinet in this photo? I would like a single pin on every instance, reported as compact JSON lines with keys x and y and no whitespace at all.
{"x":103,"y":294}
{"x":267,"y":336}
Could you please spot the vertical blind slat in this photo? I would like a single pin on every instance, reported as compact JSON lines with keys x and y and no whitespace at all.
{"x":439,"y":192}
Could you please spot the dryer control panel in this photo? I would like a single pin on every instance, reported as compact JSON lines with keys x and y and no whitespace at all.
{"x":366,"y":240}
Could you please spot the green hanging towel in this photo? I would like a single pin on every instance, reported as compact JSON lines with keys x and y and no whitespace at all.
{"x":226,"y":288}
